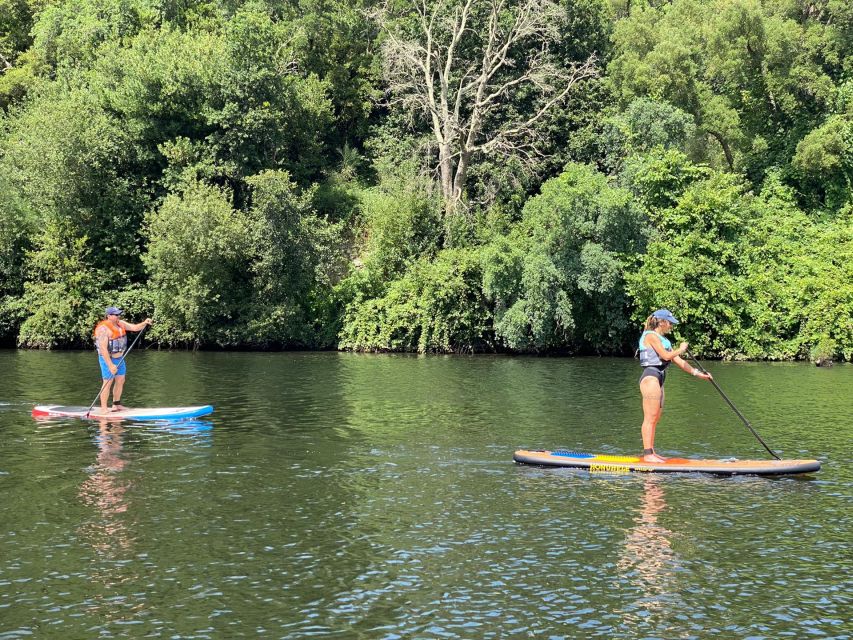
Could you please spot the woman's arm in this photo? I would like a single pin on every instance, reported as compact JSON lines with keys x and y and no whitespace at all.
{"x":653,"y":340}
{"x":688,"y":368}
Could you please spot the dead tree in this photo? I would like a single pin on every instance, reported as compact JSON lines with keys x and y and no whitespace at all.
{"x":460,"y":63}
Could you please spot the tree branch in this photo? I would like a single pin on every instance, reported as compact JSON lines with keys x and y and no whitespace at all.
{"x":587,"y":70}
{"x":471,"y":82}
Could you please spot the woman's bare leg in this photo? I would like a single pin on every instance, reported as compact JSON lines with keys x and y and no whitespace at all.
{"x":652,"y":408}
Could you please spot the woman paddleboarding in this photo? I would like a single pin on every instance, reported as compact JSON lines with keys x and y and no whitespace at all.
{"x":656,"y":353}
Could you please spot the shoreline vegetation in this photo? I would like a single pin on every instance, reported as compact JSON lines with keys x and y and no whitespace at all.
{"x":446,"y":176}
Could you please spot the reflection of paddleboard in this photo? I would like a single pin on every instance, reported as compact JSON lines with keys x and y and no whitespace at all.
{"x":148,"y":413}
{"x":625,"y":464}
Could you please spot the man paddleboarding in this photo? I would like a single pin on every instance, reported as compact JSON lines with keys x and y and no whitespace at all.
{"x":656,"y":354}
{"x":111,"y":343}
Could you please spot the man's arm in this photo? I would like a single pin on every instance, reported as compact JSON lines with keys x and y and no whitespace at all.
{"x":102,"y":340}
{"x":135,"y":327}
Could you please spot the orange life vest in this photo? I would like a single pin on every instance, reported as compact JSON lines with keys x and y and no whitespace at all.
{"x":118,"y":336}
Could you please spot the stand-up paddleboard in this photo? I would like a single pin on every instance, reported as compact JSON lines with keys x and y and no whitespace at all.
{"x":148,"y":413}
{"x":625,"y":464}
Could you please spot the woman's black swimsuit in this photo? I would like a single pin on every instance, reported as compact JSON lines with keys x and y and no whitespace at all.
{"x":658,"y":373}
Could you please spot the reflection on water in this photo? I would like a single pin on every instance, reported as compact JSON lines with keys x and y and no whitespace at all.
{"x":647,"y":559}
{"x":349,"y":496}
{"x":107,"y":530}
{"x":105,"y":489}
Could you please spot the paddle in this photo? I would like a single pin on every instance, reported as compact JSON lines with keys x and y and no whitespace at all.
{"x":731,"y":404}
{"x":132,"y":344}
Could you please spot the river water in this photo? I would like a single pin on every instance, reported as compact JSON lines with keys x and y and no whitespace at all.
{"x":360,"y":496}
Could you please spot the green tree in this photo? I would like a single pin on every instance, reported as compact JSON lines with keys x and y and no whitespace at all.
{"x":825,"y":159}
{"x":558,"y":280}
{"x":269,"y":117}
{"x":71,"y":162}
{"x":337,"y":42}
{"x":68,"y":34}
{"x":751,"y":276}
{"x":659,"y":178}
{"x":436,"y":306}
{"x":799,"y":279}
{"x":76,"y":210}
{"x":161,"y":86}
{"x":17,"y":229}
{"x":642,"y":126}
{"x":16,"y":21}
{"x":198,"y":253}
{"x":692,"y":263}
{"x":296,"y":260}
{"x":755,"y":75}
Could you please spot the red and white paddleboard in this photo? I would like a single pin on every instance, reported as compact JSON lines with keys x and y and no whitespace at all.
{"x":144,"y":413}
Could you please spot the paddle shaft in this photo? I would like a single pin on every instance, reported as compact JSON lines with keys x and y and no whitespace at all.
{"x":132,"y":344}
{"x":732,"y":405}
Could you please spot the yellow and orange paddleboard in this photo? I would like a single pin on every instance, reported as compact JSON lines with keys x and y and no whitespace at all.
{"x":625,"y":464}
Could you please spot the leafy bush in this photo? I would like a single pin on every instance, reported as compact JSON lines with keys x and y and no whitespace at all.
{"x":401,"y":223}
{"x":691,"y":266}
{"x":296,"y":258}
{"x":198,"y":252}
{"x":750,"y":277}
{"x":557,"y":280}
{"x":436,"y":306}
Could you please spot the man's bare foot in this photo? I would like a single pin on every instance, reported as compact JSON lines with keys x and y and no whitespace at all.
{"x":119,"y":407}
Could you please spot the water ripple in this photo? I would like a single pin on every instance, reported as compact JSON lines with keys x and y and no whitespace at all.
{"x":348,"y":496}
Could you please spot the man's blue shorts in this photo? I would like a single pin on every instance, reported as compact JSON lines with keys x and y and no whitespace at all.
{"x":105,"y":370}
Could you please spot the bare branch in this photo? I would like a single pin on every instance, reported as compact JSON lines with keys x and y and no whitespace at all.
{"x":464,"y":78}
{"x":526,"y":129}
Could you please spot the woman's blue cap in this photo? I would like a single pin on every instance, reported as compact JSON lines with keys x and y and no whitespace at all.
{"x":665,"y":314}
{"x":113,"y":311}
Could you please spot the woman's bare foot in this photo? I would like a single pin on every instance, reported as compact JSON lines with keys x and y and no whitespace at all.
{"x":649,"y":455}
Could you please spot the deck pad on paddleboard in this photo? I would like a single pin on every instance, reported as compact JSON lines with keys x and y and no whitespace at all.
{"x":624,"y":464}
{"x":146,"y":413}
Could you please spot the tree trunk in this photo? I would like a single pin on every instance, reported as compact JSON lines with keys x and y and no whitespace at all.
{"x":726,"y":150}
{"x":445,"y":161}
{"x":460,"y":178}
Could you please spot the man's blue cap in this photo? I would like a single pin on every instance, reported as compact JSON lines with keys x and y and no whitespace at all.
{"x":665,"y":314}
{"x":113,"y":311}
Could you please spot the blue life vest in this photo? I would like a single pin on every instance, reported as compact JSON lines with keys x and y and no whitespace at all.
{"x":649,"y":357}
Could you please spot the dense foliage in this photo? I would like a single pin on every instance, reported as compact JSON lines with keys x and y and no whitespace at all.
{"x":327,"y":174}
